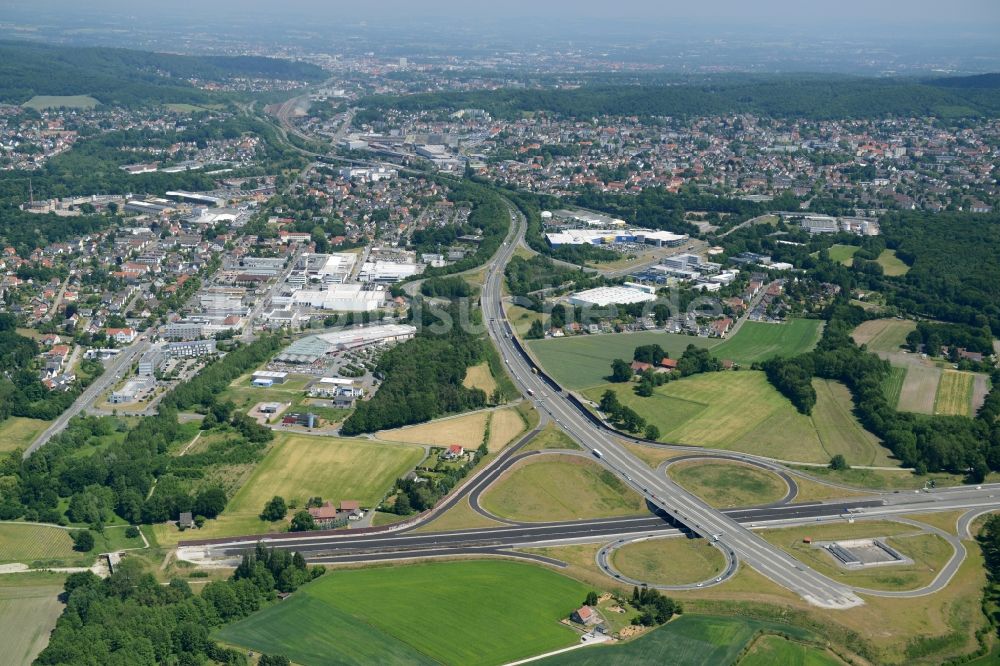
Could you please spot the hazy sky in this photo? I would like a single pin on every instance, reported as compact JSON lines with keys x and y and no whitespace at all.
{"x":979,"y":14}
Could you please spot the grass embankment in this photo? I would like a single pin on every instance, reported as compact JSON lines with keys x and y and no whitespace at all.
{"x":725,"y":485}
{"x":560,"y":487}
{"x":483,"y":612}
{"x":673,"y":561}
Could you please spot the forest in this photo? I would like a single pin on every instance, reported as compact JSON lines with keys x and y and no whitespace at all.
{"x":813,"y":97}
{"x":127,"y":77}
{"x":130,"y":618}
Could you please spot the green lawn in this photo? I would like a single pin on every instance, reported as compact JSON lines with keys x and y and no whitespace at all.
{"x":481,"y":612}
{"x":843,"y":253}
{"x":18,"y":432}
{"x":584,"y":361}
{"x":893,"y":385}
{"x":298,"y":467}
{"x":726,"y":485}
{"x":40,"y":102}
{"x":892,"y":265}
{"x":759,"y":341}
{"x":674,"y":561}
{"x":690,"y":640}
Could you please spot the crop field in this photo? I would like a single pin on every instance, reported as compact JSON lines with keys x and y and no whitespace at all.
{"x":560,"y":487}
{"x":883,"y":335}
{"x":674,"y":561}
{"x":40,"y":102}
{"x":770,"y":649}
{"x":17,"y":432}
{"x":843,"y":253}
{"x":28,"y":543}
{"x":892,"y":265}
{"x":505,"y":425}
{"x":919,"y":389}
{"x":482,"y":612}
{"x":893,"y":385}
{"x":928,"y":551}
{"x":725,"y":485}
{"x":838,"y":429}
{"x":759,"y":341}
{"x":466,"y":430}
{"x":29,"y":608}
{"x":478,"y":376}
{"x":954,"y":393}
{"x":690,"y":640}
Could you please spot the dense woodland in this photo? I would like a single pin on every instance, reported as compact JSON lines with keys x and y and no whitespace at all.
{"x":807,"y":96}
{"x":127,"y":77}
{"x":130,"y":619}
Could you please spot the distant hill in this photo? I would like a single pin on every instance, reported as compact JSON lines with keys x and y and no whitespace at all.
{"x":976,"y":81}
{"x":792,"y":96}
{"x":123,"y":76}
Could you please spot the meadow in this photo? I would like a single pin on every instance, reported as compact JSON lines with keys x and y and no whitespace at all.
{"x":473,"y":611}
{"x":29,"y":608}
{"x":42,"y":102}
{"x":883,"y":335}
{"x":18,"y":432}
{"x":584,"y":361}
{"x":843,"y":254}
{"x":892,"y":265}
{"x":559,"y":487}
{"x":674,"y":561}
{"x":726,"y":485}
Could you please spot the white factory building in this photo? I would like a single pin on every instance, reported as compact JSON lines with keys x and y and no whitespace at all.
{"x":337,"y":297}
{"x":322,"y":268}
{"x":611,"y":236}
{"x":623,"y":295}
{"x":387,"y":272}
{"x":314,"y":347}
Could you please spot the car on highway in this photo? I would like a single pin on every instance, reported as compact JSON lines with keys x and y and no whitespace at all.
{"x":597,"y":454}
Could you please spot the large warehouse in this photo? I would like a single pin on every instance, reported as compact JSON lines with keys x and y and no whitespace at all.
{"x":336,"y":297}
{"x":612,"y":236}
{"x":623,"y":295}
{"x":314,"y":347}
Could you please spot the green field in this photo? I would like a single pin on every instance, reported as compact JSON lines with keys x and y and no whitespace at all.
{"x":482,"y":612}
{"x":18,"y":432}
{"x":726,"y":485}
{"x":838,"y":429}
{"x":298,"y":467}
{"x":41,"y":545}
{"x":675,"y":561}
{"x":893,"y":385}
{"x":40,"y":102}
{"x":759,"y":341}
{"x":29,"y":608}
{"x":954,"y":393}
{"x":739,"y":411}
{"x":843,"y":253}
{"x":892,"y":265}
{"x":559,"y":487}
{"x":690,"y":640}
{"x":584,"y":361}
{"x":883,"y":335}
{"x":770,"y":649}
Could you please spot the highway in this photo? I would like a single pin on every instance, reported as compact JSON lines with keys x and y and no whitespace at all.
{"x":683,"y":507}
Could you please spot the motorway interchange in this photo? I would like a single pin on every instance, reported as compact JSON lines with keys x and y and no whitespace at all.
{"x":675,"y":512}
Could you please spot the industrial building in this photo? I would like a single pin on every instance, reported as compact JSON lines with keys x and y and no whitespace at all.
{"x":623,"y":295}
{"x":149,"y":363}
{"x":271,"y":376}
{"x":340,"y":298}
{"x":222,"y":300}
{"x":387,"y":272}
{"x":195,"y":198}
{"x":191,"y":349}
{"x":322,"y":268}
{"x":314,"y":347}
{"x":612,"y":236}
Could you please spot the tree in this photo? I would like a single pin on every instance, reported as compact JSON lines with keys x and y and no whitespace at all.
{"x":591,"y":599}
{"x":537,"y":331}
{"x":83,"y":541}
{"x":609,"y":402}
{"x":838,"y":462}
{"x":273,"y":660}
{"x":621,"y":371}
{"x":303,"y":521}
{"x":210,"y":502}
{"x":131,"y":532}
{"x":652,"y":432}
{"x":275,"y":509}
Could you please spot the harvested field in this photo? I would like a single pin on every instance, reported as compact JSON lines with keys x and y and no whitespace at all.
{"x":883,"y":335}
{"x":466,"y":430}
